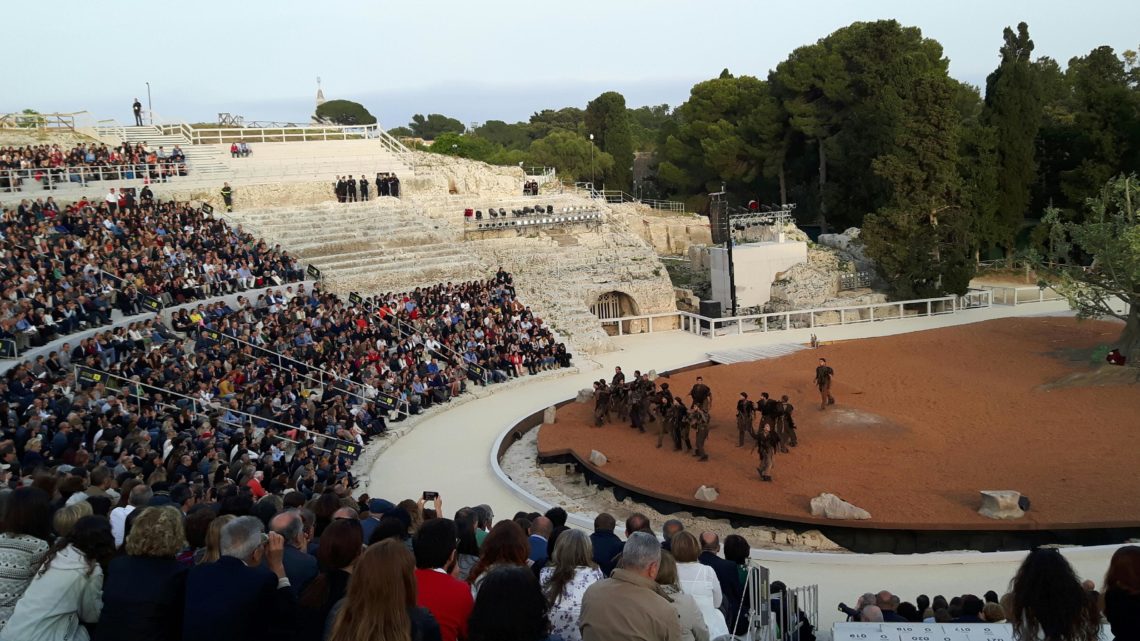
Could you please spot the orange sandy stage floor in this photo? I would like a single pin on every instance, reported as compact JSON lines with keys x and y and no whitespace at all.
{"x":922,"y":422}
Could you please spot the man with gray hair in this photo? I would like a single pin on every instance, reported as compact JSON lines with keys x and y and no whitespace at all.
{"x":140,"y":497}
{"x":235,"y":598}
{"x":669,"y":530}
{"x":871,"y":614}
{"x":299,"y":566}
{"x":627,"y":606}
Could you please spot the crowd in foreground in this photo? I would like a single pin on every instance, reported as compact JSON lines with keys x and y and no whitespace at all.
{"x":88,"y":557}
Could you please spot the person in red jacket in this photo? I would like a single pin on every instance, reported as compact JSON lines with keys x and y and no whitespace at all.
{"x":446,"y":597}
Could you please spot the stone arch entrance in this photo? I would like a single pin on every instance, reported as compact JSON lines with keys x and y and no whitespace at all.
{"x":613,"y":305}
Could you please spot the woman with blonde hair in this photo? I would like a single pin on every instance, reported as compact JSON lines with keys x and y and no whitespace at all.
{"x":693,"y":626}
{"x":564,"y":582}
{"x":144,"y":590}
{"x":699,"y":581}
{"x":381,"y":600}
{"x":214,"y":539}
{"x":66,"y":517}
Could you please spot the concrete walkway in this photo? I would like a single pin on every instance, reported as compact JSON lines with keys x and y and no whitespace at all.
{"x":451,"y":453}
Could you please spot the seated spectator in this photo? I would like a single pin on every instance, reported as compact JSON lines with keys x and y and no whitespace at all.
{"x":565,"y":581}
{"x":693,"y":626}
{"x":727,"y":574}
{"x":1121,"y":593}
{"x":301,"y":568}
{"x":886,"y":602}
{"x":627,"y":606}
{"x":446,"y":597}
{"x":23,"y":544}
{"x":1049,"y":602}
{"x":971,"y":610}
{"x":213,"y":550}
{"x":506,"y":544}
{"x":540,"y":531}
{"x":510,"y":607}
{"x":340,"y":547}
{"x":67,"y":591}
{"x":467,"y":544}
{"x":700,"y":581}
{"x":382,"y":597}
{"x":993,"y":613}
{"x":871,"y":614}
{"x":145,"y":589}
{"x":607,"y":546}
{"x":220,"y":596}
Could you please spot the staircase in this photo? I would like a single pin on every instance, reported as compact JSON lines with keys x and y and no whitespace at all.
{"x":206,"y":162}
{"x":377,"y":246}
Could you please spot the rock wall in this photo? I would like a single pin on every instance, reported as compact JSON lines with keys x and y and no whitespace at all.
{"x":669,"y":233}
{"x":253,"y":197}
{"x":440,"y":175}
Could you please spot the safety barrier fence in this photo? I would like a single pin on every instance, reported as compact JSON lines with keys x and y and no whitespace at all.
{"x":800,"y":318}
{"x":1021,"y":295}
{"x":48,"y":179}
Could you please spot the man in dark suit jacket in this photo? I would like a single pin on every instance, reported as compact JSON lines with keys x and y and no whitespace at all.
{"x":607,"y":545}
{"x":299,"y":566}
{"x":726,"y":574}
{"x":540,"y":531}
{"x":235,"y":599}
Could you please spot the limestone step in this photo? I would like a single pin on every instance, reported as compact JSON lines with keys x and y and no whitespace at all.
{"x":412,"y":263}
{"x":352,"y":259}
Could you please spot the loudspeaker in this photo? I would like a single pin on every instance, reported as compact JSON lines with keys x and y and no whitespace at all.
{"x":478,"y":214}
{"x":1023,"y":503}
{"x":709,"y":309}
{"x":550,"y":209}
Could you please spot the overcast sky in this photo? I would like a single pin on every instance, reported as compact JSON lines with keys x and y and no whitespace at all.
{"x":502,"y":59}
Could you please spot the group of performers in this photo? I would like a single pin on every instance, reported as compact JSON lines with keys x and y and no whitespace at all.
{"x":641,"y":401}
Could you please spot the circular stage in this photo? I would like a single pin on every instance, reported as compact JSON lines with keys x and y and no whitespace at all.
{"x":922,"y":423}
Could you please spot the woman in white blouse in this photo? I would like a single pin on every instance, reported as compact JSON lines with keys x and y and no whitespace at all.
{"x":693,"y":626}
{"x":566,"y":581}
{"x":699,"y":581}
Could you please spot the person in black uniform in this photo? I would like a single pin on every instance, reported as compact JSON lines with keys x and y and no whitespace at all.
{"x":745,"y":409}
{"x":786,"y":423}
{"x":619,"y":377}
{"x":601,"y":403}
{"x":766,"y":443}
{"x":339,"y":188}
{"x":768,"y":411}
{"x":823,"y":376}
{"x":228,"y":196}
{"x":699,"y":420}
{"x":363,"y":189}
{"x":350,"y":187}
{"x":680,"y":425}
{"x":701,"y":395}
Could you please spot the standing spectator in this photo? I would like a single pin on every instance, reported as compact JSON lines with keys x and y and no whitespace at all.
{"x":505,"y":545}
{"x":339,"y":549}
{"x":693,"y":626}
{"x":68,"y":589}
{"x":511,"y":607}
{"x":699,"y":581}
{"x":363,"y":188}
{"x":381,"y":600}
{"x":566,"y":580}
{"x":144,"y":589}
{"x":222,"y":596}
{"x":23,"y":544}
{"x":1122,"y":593}
{"x":1048,"y":601}
{"x":446,"y":597}
{"x":137,"y":109}
{"x":607,"y":545}
{"x":627,"y":606}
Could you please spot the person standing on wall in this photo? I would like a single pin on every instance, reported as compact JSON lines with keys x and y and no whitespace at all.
{"x":228,"y":196}
{"x":137,"y":108}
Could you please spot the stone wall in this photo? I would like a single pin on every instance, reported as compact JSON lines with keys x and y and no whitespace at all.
{"x":439,"y":174}
{"x":252,"y":197}
{"x":669,"y":233}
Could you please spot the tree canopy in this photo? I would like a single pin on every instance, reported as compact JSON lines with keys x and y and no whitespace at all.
{"x":607,"y":119}
{"x":434,"y":125}
{"x":345,"y":112}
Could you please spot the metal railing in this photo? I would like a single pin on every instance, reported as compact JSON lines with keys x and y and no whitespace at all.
{"x":137,"y":391}
{"x":42,"y":121}
{"x":47,"y":179}
{"x":800,"y":318}
{"x":1004,"y":295}
{"x":298,"y":133}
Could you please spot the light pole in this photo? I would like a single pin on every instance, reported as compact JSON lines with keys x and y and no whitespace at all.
{"x":591,"y":162}
{"x":149,"y":106}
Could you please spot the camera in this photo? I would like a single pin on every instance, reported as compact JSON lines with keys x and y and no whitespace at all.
{"x":431,"y":496}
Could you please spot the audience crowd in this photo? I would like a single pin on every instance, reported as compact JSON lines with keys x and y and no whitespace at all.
{"x":64,"y":268}
{"x":46,"y":166}
{"x":94,"y":553}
